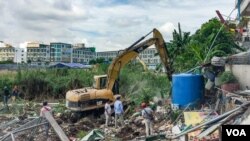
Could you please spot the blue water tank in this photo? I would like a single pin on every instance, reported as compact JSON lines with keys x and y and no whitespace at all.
{"x":187,"y":89}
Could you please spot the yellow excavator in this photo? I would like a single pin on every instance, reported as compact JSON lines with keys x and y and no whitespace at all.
{"x":145,"y":68}
{"x":105,"y":86}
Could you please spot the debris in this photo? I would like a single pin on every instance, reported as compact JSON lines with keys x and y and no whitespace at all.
{"x":56,"y":127}
{"x":212,"y":128}
{"x":210,"y":121}
{"x":95,"y":134}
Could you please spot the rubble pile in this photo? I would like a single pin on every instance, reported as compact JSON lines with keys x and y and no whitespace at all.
{"x":194,"y":124}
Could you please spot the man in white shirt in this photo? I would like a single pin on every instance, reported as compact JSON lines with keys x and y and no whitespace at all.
{"x":118,"y":107}
{"x":107,"y":113}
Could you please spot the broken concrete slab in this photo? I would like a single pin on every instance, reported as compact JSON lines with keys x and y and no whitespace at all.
{"x":56,"y":127}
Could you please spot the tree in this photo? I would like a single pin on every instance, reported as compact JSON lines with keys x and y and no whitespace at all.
{"x":29,"y":61}
{"x":92,"y":61}
{"x":176,"y":48}
{"x":187,"y":52}
{"x":100,"y":60}
{"x":202,"y":48}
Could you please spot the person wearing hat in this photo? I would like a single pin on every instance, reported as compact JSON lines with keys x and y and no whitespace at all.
{"x":148,"y":115}
{"x":118,"y":108}
{"x":6,"y":94}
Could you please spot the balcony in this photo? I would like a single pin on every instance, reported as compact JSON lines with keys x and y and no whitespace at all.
{"x":244,"y":7}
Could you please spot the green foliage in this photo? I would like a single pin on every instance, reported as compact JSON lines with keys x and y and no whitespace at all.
{"x":100,"y":60}
{"x":177,"y":47}
{"x":6,"y":62}
{"x":187,"y":51}
{"x":92,"y":61}
{"x":142,"y":86}
{"x":40,"y":84}
{"x":81,"y":134}
{"x":47,"y":83}
{"x":227,"y":77}
{"x":104,"y":68}
{"x":175,"y":115}
{"x":59,"y":108}
{"x":92,"y":49}
{"x":97,"y":61}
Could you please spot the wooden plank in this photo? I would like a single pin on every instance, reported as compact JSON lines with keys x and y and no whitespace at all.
{"x":12,"y":136}
{"x":56,"y":127}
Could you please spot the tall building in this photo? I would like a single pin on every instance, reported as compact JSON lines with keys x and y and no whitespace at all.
{"x":82,"y":54}
{"x":7,"y":52}
{"x":38,"y":53}
{"x":107,"y":55}
{"x":149,"y":58}
{"x":60,"y":52}
{"x":20,"y":55}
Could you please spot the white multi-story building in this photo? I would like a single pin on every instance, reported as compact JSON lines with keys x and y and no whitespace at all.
{"x":38,"y":53}
{"x":148,"y":56}
{"x":82,"y":54}
{"x":107,"y":55}
{"x":7,"y":52}
{"x":42,"y":53}
{"x":20,"y":55}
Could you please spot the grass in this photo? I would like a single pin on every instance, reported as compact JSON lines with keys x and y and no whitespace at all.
{"x":44,"y":84}
{"x":81,"y":134}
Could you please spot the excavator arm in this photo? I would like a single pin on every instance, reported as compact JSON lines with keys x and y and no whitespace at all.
{"x":142,"y":63}
{"x":133,"y":51}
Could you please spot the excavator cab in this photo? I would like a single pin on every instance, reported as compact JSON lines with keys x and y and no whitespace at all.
{"x":100,"y":81}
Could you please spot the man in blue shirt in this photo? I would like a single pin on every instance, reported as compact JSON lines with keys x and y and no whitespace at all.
{"x":118,"y":107}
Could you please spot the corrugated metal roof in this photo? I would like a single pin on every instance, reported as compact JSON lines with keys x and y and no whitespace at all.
{"x":70,"y":65}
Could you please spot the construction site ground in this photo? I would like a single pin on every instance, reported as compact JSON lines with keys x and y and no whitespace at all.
{"x":21,"y":122}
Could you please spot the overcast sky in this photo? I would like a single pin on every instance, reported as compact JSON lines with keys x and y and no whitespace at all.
{"x":105,"y":24}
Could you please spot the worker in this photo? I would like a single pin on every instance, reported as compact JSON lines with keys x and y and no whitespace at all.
{"x":44,"y":109}
{"x":148,"y":115}
{"x":6,"y":95}
{"x":118,"y":107}
{"x":107,"y":113}
{"x":15,"y":93}
{"x":211,"y":71}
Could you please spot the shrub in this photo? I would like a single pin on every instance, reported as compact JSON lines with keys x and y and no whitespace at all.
{"x":227,"y":77}
{"x":81,"y":134}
